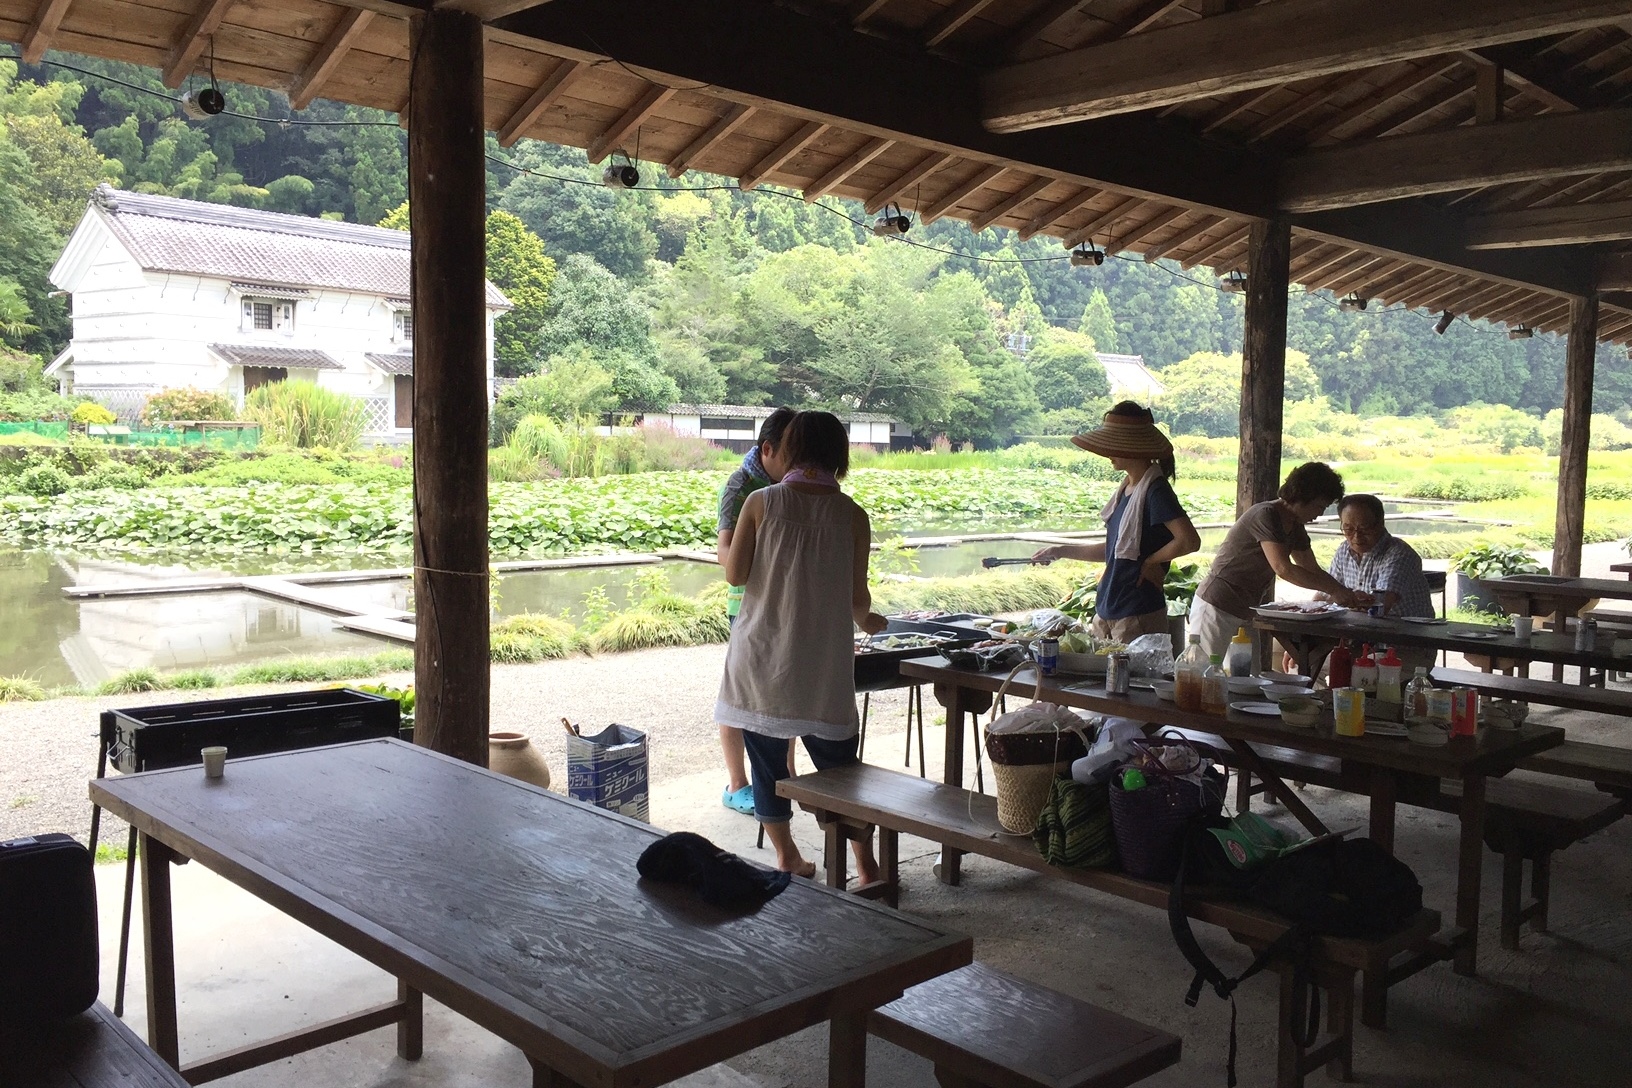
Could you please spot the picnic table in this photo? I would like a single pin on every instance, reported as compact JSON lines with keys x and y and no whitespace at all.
{"x":1553,"y":595}
{"x":1622,"y":568}
{"x":1310,"y":639}
{"x":520,"y":909}
{"x":1388,"y":769}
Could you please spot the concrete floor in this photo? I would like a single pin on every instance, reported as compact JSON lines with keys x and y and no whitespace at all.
{"x":1559,"y":1011}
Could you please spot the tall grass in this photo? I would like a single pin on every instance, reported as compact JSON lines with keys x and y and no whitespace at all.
{"x":20,"y":689}
{"x":306,"y":415}
{"x":542,"y":448}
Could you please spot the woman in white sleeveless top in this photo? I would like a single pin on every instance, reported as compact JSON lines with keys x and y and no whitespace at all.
{"x":800,"y":550}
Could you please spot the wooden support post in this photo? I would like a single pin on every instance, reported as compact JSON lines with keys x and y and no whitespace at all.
{"x":446,"y":189}
{"x":1263,"y":362}
{"x":1572,"y":454}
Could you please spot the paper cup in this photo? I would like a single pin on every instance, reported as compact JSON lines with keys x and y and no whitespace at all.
{"x":215,"y":761}
{"x":1522,"y":625}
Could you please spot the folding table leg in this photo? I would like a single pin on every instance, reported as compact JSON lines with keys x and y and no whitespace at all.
{"x":1470,"y":860}
{"x":124,"y":925}
{"x":161,"y":951}
{"x":847,"y":1050}
{"x":411,"y":1028}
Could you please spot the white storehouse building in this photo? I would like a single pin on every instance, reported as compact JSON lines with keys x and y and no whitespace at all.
{"x":172,"y":293}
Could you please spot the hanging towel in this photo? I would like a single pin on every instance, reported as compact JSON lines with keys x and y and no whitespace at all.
{"x":1126,"y":544}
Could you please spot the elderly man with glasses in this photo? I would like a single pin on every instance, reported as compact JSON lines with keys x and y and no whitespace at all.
{"x":1373,"y":562}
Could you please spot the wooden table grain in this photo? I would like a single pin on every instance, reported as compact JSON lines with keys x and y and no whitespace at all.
{"x":518,"y":908}
{"x":1389,"y":768}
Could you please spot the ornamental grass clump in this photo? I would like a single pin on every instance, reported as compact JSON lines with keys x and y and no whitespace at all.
{"x":306,"y":415}
{"x":133,"y":682}
{"x":531,"y":637}
{"x":20,"y":689}
{"x":658,"y":616}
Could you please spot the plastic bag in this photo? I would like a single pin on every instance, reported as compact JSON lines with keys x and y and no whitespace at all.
{"x":1151,"y":655}
{"x":1111,"y":748}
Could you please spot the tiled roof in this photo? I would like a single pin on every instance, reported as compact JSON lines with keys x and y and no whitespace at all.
{"x":168,"y":234}
{"x":399,"y":362}
{"x":259,"y":355}
{"x":759,"y":411}
{"x":1129,"y":374}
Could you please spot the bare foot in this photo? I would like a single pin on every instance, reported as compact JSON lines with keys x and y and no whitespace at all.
{"x":866,"y":875}
{"x":806,"y":869}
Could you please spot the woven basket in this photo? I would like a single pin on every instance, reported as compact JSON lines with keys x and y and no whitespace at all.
{"x":1149,"y":822}
{"x":1022,"y":791}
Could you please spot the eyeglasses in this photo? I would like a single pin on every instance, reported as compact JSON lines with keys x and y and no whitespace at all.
{"x":1361,"y":531}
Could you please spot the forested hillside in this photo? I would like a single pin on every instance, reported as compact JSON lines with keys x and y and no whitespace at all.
{"x":693,"y":290}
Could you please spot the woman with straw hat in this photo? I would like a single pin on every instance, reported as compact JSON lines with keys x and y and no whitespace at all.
{"x":1146,"y":528}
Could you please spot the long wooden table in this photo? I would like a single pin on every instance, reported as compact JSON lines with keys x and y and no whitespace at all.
{"x":1545,"y":594}
{"x":1389,"y":768}
{"x":520,"y":909}
{"x":1310,"y":640}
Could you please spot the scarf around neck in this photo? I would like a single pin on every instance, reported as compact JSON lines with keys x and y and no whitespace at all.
{"x":810,"y":474}
{"x":1126,"y":544}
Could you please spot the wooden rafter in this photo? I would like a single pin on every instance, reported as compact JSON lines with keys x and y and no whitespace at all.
{"x":1311,"y":275}
{"x":960,"y":190}
{"x":1462,"y":85}
{"x":353,"y":21}
{"x":1141,"y":18}
{"x":1405,"y":282}
{"x":1305,"y":103}
{"x":912,"y":175}
{"x":865,"y":11}
{"x":1180,"y":239}
{"x":1220,"y":245}
{"x":1338,"y":273}
{"x":37,"y":38}
{"x":1043,"y":219}
{"x":1239,"y":104}
{"x":1615,"y":271}
{"x":554,"y":86}
{"x":716,"y":132}
{"x":1085,"y":232}
{"x":1408,"y":81}
{"x":1306,"y":255}
{"x":1010,"y":203}
{"x":952,"y":20}
{"x":1519,"y":67}
{"x":612,"y":137}
{"x":1546,"y":146}
{"x":1368,"y":285}
{"x":1351,"y":281}
{"x":195,"y":36}
{"x":1132,"y":235}
{"x":1043,"y":20}
{"x":1262,"y":46}
{"x":802,"y":137}
{"x":852,"y":162}
{"x":1570,"y":225}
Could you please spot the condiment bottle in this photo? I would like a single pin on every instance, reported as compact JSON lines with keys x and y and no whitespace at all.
{"x":1187,"y":675}
{"x":1416,"y":695}
{"x":1349,"y":712}
{"x":1340,"y":666}
{"x":1388,"y":677}
{"x":1239,"y":663}
{"x":1365,"y":671}
{"x":1215,"y":687}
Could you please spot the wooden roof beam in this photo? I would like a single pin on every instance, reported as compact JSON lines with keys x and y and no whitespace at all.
{"x":1548,"y":146}
{"x":905,"y":180}
{"x":1326,"y":279}
{"x":718,"y":131}
{"x":1009,"y":203}
{"x":952,"y":20}
{"x":1131,"y":236}
{"x":1550,"y":86}
{"x":1404,"y":283}
{"x":837,"y":176}
{"x":1311,"y":275}
{"x":1615,"y":271}
{"x":194,"y":37}
{"x":802,"y":137}
{"x":1182,"y":238}
{"x":1220,"y":245}
{"x":1414,"y":110}
{"x":1569,"y":225}
{"x":1364,"y":284}
{"x":1408,"y":81}
{"x":611,"y":139}
{"x":1049,"y":215}
{"x":1264,"y":46}
{"x":1042,"y":20}
{"x":37,"y":38}
{"x":1305,"y":103}
{"x":353,"y":21}
{"x":962,"y":190}
{"x":1085,"y":232}
{"x":864,"y":11}
{"x":554,"y":86}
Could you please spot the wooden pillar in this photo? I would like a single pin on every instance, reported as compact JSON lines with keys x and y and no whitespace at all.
{"x":447,"y":194}
{"x":1572,"y":454}
{"x":1263,"y":362}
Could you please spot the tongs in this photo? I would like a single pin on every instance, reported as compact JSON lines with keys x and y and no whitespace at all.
{"x":992,"y":561}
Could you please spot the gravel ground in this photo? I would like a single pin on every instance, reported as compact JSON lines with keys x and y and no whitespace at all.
{"x":48,"y":749}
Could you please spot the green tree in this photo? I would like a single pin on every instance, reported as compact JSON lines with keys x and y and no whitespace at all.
{"x":609,"y":225}
{"x":1067,"y":372}
{"x":518,"y":266}
{"x":1098,"y":323}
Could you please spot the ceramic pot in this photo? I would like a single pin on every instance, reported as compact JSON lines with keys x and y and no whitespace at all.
{"x":513,"y":755}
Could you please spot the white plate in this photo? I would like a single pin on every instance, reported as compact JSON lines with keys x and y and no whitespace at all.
{"x":1481,"y":635}
{"x":1384,"y":729}
{"x":1246,"y":685}
{"x":1422,"y":621}
{"x":1285,"y":677}
{"x":1270,"y":611}
{"x":1267,"y":710}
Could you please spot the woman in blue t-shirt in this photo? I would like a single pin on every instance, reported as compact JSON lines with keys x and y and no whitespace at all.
{"x":1145,"y":526}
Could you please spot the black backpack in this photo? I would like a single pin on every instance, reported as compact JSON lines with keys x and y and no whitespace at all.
{"x":1333,"y":888}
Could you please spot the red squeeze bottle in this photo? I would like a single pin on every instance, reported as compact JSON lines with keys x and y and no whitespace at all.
{"x":1340,"y":667}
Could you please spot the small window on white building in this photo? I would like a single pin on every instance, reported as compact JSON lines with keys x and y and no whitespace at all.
{"x":405,"y":326}
{"x":269,"y":315}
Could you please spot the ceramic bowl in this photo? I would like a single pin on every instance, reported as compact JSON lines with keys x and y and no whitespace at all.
{"x":1302,"y":713}
{"x":1275,"y":693}
{"x":1164,"y":689}
{"x":1286,"y":678}
{"x":1246,"y":685}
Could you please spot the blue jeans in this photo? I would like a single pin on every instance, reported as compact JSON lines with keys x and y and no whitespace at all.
{"x":768,"y":759}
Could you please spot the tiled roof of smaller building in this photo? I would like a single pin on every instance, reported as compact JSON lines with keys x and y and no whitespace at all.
{"x":397,"y":362}
{"x":263,"y":355}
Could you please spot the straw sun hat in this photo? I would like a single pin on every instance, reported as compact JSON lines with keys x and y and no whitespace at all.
{"x":1126,"y":436}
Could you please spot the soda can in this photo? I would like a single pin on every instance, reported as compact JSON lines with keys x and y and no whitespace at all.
{"x":1048,"y":655}
{"x":1376,"y":611}
{"x":1464,"y":712}
{"x":1117,"y":668}
{"x":1349,"y":712}
{"x":1586,"y":636}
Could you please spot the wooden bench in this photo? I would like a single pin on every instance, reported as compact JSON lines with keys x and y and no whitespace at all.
{"x":1607,"y":766}
{"x":845,"y":799}
{"x":986,"y":1029}
{"x":92,"y":1050}
{"x":1596,"y":700}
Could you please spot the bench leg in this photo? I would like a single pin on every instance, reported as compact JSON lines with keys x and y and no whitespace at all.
{"x":889,"y":864}
{"x":1243,"y":791}
{"x":847,"y":1050}
{"x":837,"y":849}
{"x":1340,"y":1023}
{"x":545,"y":1077}
{"x":1512,"y":894}
{"x":1289,"y":1056}
{"x":411,"y":1028}
{"x":947,"y":1077}
{"x":1541,"y":880}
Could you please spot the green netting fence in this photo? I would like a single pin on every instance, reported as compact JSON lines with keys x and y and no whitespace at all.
{"x":226,"y":438}
{"x":40,"y":427}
